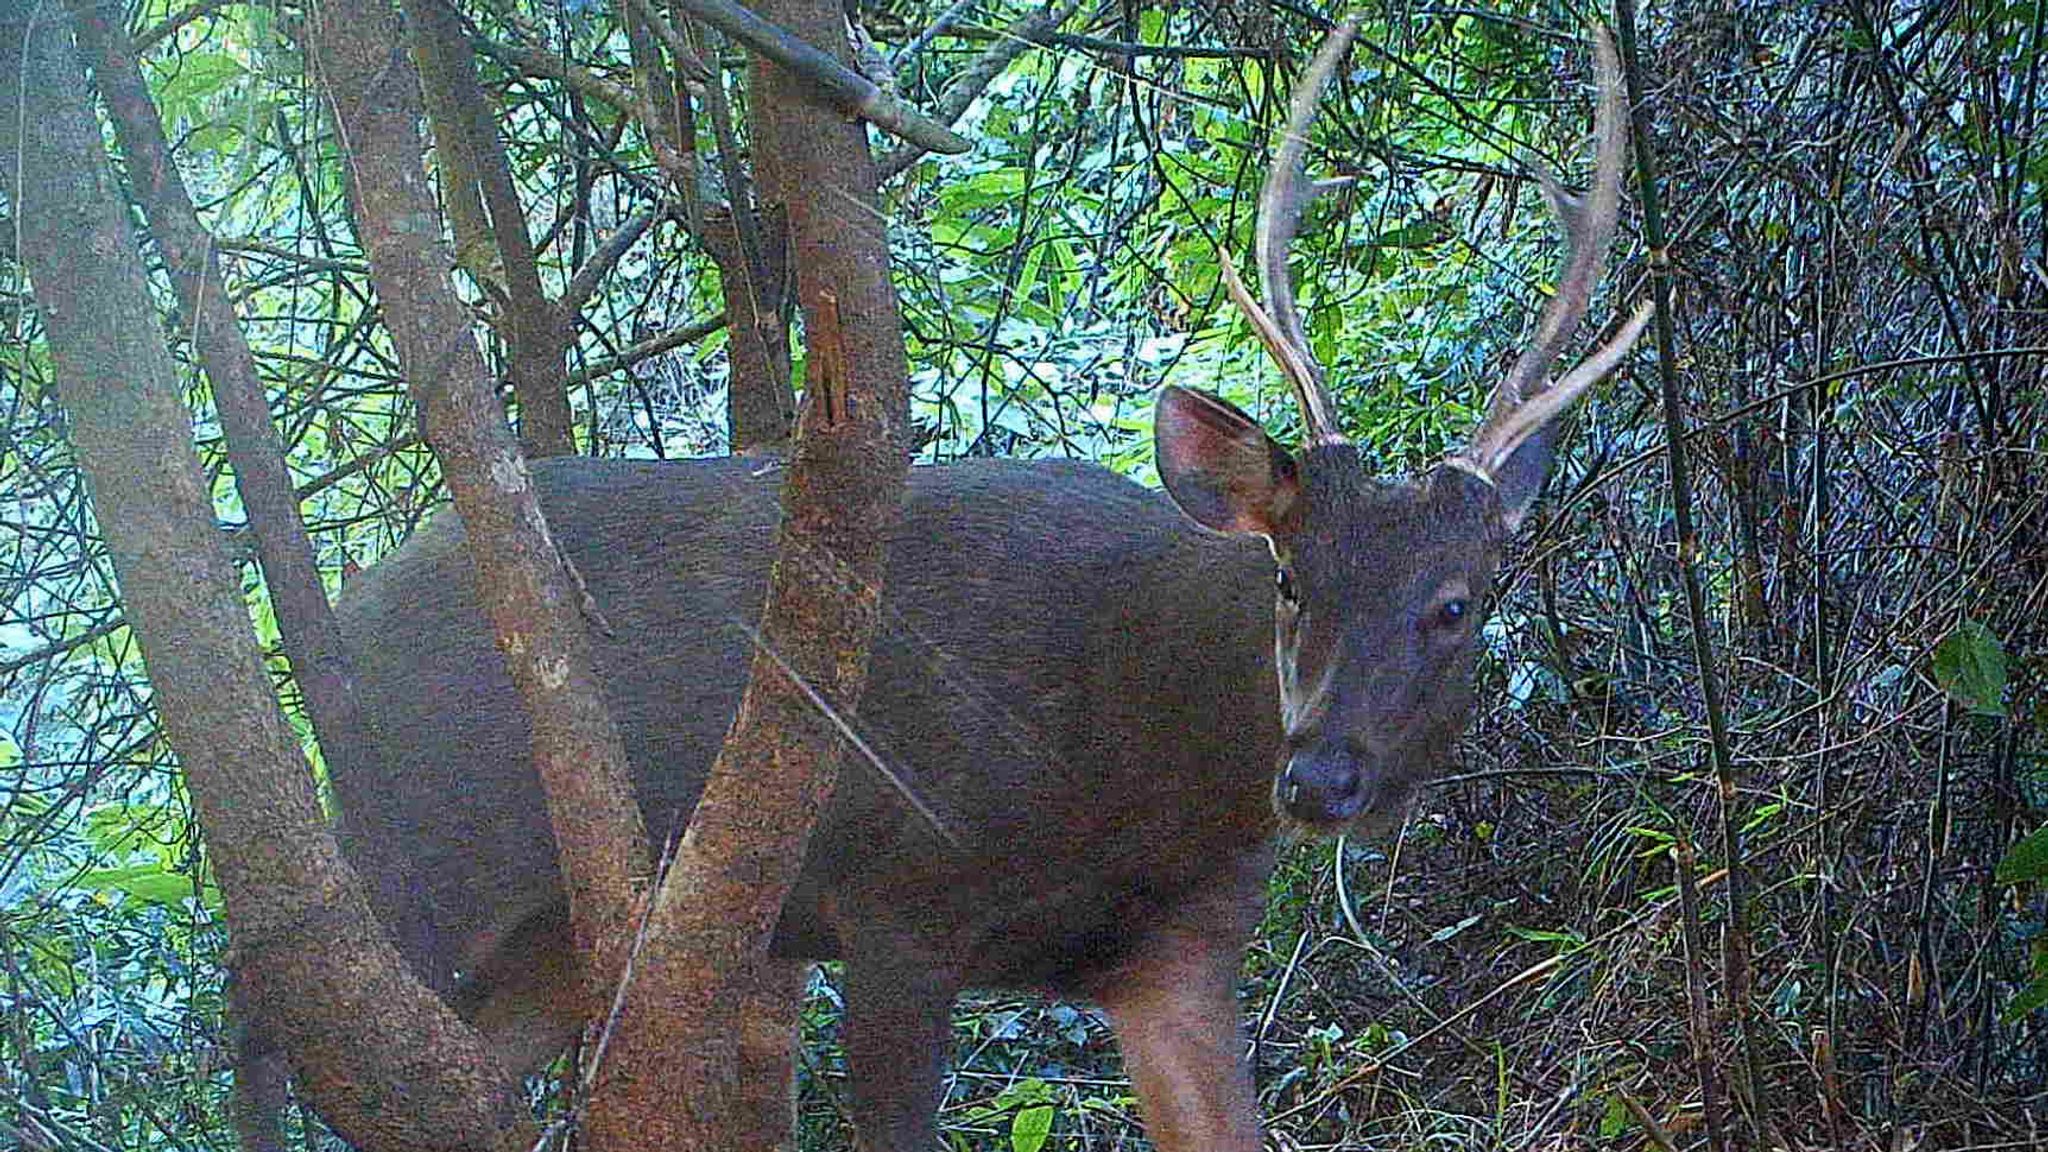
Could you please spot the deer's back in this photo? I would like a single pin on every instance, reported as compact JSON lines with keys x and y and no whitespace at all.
{"x":1070,"y":677}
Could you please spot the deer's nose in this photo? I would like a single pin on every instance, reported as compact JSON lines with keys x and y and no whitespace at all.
{"x":1322,"y":786}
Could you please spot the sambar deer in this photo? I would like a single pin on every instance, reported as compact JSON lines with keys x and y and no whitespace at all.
{"x":1108,"y":705}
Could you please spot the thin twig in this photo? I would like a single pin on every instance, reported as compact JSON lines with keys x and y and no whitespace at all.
{"x":975,"y":79}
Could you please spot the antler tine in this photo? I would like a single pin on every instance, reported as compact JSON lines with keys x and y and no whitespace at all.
{"x":1281,"y":203}
{"x":1588,"y":223}
{"x":1515,"y":425}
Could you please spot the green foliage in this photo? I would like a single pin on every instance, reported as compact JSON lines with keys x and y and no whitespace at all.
{"x":1024,"y":1111}
{"x":2026,"y":864}
{"x":2033,"y":996}
{"x":1615,"y":1119}
{"x":2027,"y":861}
{"x":1969,"y":664}
{"x":1030,"y":1127}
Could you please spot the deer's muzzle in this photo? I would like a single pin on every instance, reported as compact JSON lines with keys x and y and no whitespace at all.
{"x":1322,"y":787}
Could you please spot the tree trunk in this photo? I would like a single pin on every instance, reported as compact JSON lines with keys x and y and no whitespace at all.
{"x":749,"y":246}
{"x":523,"y":585}
{"x":261,"y":1086}
{"x":494,"y":244}
{"x":760,"y":405}
{"x":305,"y":622}
{"x":667,"y":1080}
{"x":311,"y":639}
{"x":387,"y":1063}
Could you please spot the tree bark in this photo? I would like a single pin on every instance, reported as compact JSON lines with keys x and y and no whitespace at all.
{"x":311,"y":639}
{"x":477,"y":179}
{"x":261,"y":1090}
{"x":749,"y":246}
{"x":305,"y":622}
{"x":760,"y":405}
{"x":387,"y":1063}
{"x":749,"y":241}
{"x":522,"y":583}
{"x":713,"y":915}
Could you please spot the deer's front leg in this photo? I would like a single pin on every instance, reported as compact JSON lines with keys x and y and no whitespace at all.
{"x":1181,"y":1042}
{"x":898,"y":1028}
{"x":771,"y":997}
{"x":1174,"y":1006}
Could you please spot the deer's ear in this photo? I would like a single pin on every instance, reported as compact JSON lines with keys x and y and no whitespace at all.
{"x":1520,"y":474}
{"x":1515,"y":443}
{"x":1221,"y":468}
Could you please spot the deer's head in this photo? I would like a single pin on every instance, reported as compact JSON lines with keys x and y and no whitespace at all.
{"x":1381,"y":582}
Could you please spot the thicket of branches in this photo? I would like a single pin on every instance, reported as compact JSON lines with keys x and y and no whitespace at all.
{"x":1855,"y":230}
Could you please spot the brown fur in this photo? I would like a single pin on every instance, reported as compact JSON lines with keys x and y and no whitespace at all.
{"x":1074,"y":678}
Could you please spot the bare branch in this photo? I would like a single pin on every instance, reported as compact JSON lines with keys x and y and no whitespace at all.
{"x":1054,"y":39}
{"x":652,"y":346}
{"x":156,"y":34}
{"x":540,"y":62}
{"x":976,"y":77}
{"x":840,"y":86}
{"x":577,"y":293}
{"x":495,"y":246}
{"x":679,"y":49}
{"x":533,"y":61}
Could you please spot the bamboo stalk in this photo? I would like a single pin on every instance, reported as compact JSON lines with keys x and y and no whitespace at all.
{"x":1735,"y":943}
{"x":1699,"y":1025}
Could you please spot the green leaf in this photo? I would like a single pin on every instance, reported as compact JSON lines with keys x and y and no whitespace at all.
{"x":2030,"y":998}
{"x":145,"y":882}
{"x":1615,"y":1119}
{"x":1030,"y":1128}
{"x":1450,"y":930}
{"x":2027,"y":860}
{"x":1420,"y":234}
{"x":200,"y":77}
{"x":1025,"y":1093}
{"x":1969,"y":664}
{"x":1545,"y":935}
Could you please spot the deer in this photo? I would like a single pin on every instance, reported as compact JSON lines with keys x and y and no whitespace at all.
{"x":1091,"y":711}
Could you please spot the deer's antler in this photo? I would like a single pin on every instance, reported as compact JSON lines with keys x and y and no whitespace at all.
{"x":1281,"y":202}
{"x":1520,"y":404}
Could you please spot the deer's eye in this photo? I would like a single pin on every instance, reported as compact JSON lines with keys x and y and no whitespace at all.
{"x":1451,"y":613}
{"x":1283,"y":584}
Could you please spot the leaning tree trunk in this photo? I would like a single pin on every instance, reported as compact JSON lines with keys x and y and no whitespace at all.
{"x":524,"y":585}
{"x":667,"y":1078}
{"x":305,"y":622}
{"x":749,"y":246}
{"x":306,"y":627}
{"x":476,"y":181}
{"x":383,"y":1059}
